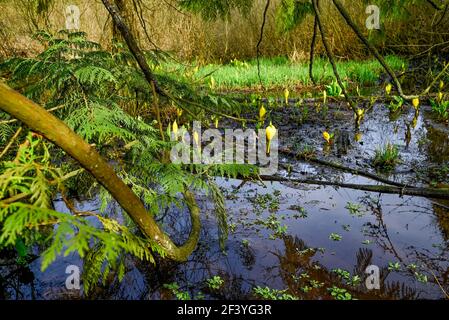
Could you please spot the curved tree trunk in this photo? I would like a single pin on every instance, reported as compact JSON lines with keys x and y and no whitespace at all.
{"x":41,"y":121}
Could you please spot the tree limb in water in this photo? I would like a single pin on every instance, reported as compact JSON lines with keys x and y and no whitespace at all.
{"x":342,"y":168}
{"x":412,"y":191}
{"x":40,"y":120}
{"x":267,"y":5}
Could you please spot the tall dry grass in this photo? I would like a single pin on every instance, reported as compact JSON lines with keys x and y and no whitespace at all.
{"x":189,"y":37}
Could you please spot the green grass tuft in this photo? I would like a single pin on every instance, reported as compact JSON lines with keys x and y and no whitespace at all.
{"x":279,"y":72}
{"x":387,"y":157}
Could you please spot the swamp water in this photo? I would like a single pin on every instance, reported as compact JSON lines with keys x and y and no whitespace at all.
{"x":299,"y":238}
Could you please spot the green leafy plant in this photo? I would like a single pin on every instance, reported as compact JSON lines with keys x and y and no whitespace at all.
{"x":272,"y":294}
{"x":421,"y":277}
{"x":441,"y":109}
{"x":104,"y":97}
{"x":347,"y":278}
{"x":355,"y":209}
{"x":335,"y":237}
{"x":339,"y":293}
{"x":387,"y":157}
{"x":175,"y":290}
{"x":334,"y":89}
{"x":396,"y":104}
{"x":394,"y":266}
{"x":215,"y":283}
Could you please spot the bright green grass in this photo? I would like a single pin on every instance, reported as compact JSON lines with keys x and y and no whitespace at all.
{"x":280,"y":72}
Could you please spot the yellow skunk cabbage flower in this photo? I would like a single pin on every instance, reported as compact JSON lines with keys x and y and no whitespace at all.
{"x":388,"y":88}
{"x":415,"y":103}
{"x":441,"y":85}
{"x":327,"y":137}
{"x":440,"y":96}
{"x":270,"y":132}
{"x":175,"y":129}
{"x":286,"y":95}
{"x":196,"y":138}
{"x":212,"y":83}
{"x":179,"y":112}
{"x":324,"y":96}
{"x":216,"y":123}
{"x":358,"y":136}
{"x":359,"y":115}
{"x":262,"y":113}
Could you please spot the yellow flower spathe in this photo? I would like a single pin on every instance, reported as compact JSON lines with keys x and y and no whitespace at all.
{"x":388,"y":88}
{"x":175,"y":128}
{"x":415,"y":103}
{"x":441,"y":85}
{"x":262,"y":113}
{"x":270,"y":133}
{"x":212,"y":83}
{"x":327,"y":136}
{"x":440,"y":96}
{"x":286,"y":95}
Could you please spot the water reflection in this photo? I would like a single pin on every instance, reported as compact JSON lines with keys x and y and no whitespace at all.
{"x":438,"y":145}
{"x":280,"y":233}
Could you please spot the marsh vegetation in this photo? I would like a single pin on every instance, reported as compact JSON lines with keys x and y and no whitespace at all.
{"x":358,"y":118}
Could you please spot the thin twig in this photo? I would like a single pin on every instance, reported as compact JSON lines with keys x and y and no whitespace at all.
{"x":11,"y":142}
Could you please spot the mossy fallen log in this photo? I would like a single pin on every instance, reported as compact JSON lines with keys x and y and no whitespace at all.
{"x":433,"y":193}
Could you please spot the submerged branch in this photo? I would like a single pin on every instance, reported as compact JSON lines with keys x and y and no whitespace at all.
{"x":412,"y":191}
{"x":342,"y":168}
{"x":40,"y":120}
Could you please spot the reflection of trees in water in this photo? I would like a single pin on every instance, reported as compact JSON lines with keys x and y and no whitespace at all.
{"x":442,"y":218}
{"x":207,"y":261}
{"x":191,"y":276}
{"x":16,"y":280}
{"x":438,"y":146}
{"x":298,"y":260}
{"x":434,"y":263}
{"x":144,"y":281}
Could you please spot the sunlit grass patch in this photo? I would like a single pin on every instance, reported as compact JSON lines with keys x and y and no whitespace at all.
{"x":280,"y":72}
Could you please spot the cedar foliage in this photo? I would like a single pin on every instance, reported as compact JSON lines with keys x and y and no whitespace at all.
{"x":103,"y":96}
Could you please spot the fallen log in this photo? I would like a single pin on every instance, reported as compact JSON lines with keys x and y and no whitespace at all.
{"x":340,"y":167}
{"x":433,"y":193}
